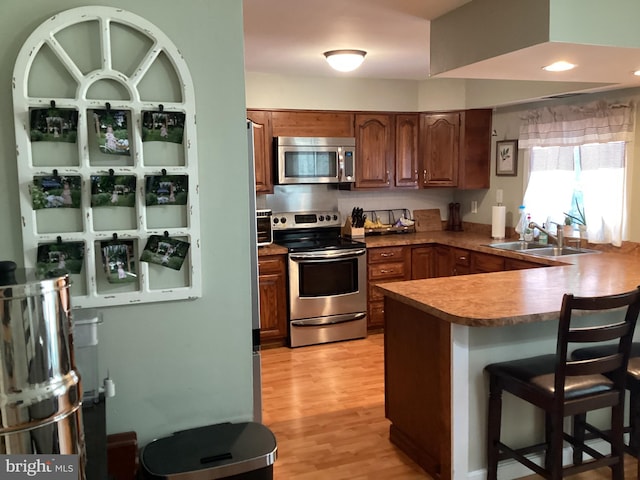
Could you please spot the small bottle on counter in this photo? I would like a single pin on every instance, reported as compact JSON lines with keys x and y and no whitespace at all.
{"x":522,"y":223}
{"x":528,"y":231}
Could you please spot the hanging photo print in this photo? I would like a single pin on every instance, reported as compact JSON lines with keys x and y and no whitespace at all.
{"x":58,"y":259}
{"x":118,"y":261}
{"x":166,"y":251}
{"x":166,"y":189}
{"x":113,"y":190}
{"x":53,"y":125}
{"x":162,"y":127}
{"x":56,"y":191}
{"x":112,"y":131}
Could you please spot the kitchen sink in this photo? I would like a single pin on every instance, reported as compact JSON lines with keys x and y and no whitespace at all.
{"x":540,"y":249}
{"x":518,"y":246}
{"x":559,"y":252}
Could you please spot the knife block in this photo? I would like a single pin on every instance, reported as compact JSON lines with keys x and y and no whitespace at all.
{"x":348,"y":230}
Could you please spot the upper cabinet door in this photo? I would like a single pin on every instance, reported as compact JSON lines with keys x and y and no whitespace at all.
{"x":474,"y":167}
{"x":374,"y":150}
{"x":262,"y":150}
{"x":439,"y":149}
{"x":407,"y":126}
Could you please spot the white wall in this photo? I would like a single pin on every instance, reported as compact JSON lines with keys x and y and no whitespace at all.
{"x":176,"y":364}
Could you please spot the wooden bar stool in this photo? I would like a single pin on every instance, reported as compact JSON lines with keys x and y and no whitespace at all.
{"x":564,"y":387}
{"x":632,"y":384}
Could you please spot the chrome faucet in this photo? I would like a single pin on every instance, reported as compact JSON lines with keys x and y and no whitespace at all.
{"x":558,"y":238}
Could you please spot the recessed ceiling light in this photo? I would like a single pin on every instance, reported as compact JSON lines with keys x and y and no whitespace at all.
{"x":345,"y":60}
{"x":637,"y":73}
{"x":560,"y":66}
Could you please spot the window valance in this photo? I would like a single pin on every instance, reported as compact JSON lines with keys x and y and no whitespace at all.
{"x":571,"y":125}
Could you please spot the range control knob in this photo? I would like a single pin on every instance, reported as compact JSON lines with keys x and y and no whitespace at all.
{"x":276,"y":220}
{"x":335,"y":217}
{"x":321,"y":218}
{"x":283,"y":220}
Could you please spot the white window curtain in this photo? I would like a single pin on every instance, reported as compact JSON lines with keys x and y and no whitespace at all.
{"x":573,"y":125}
{"x":551,"y":178}
{"x":603,"y":185}
{"x":599,"y":131}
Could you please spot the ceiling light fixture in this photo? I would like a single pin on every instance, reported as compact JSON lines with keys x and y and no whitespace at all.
{"x":560,"y":66}
{"x":637,"y":73}
{"x":345,"y":60}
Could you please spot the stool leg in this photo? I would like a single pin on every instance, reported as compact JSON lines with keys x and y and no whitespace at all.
{"x":548,"y":431}
{"x":493,"y":427}
{"x":634,"y":419}
{"x":617,"y":441}
{"x":578,"y":435}
{"x":553,"y":458}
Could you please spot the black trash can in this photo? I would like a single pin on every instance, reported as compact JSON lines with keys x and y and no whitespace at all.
{"x":233,"y":451}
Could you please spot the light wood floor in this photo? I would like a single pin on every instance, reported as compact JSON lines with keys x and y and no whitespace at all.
{"x":325,"y":405}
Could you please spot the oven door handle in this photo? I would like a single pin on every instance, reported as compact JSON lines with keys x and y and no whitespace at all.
{"x":331,"y":255}
{"x":331,"y":320}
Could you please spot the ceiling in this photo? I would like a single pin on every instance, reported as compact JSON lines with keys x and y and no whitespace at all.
{"x":288,"y":37}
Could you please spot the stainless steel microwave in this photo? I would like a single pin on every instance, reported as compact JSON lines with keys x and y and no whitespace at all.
{"x":303,"y":160}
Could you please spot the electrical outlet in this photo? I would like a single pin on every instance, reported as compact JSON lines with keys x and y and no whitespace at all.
{"x":474,"y":206}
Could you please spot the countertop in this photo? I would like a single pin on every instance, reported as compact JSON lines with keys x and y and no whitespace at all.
{"x":272,"y":249}
{"x":510,"y":297}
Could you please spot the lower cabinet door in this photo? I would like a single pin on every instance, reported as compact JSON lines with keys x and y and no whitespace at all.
{"x":272,"y":282}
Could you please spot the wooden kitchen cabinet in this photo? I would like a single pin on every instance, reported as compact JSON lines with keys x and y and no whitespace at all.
{"x":406,"y":150}
{"x":442,"y":261}
{"x":485,"y":262}
{"x":439,"y":149}
{"x":272,"y":282}
{"x":374,"y":150}
{"x":262,"y":149}
{"x":474,"y":162}
{"x":461,"y":261}
{"x":455,"y":149}
{"x":384,"y":264}
{"x":516,"y":264}
{"x":422,"y":260}
{"x":312,"y":124}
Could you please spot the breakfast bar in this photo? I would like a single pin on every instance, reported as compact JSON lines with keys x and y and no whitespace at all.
{"x":441,"y":332}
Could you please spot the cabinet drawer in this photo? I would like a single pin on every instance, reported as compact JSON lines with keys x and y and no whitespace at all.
{"x":386,"y":254}
{"x":515,"y":264}
{"x":485,"y":262}
{"x":387,"y":271}
{"x":270,"y":265}
{"x":461,"y":257}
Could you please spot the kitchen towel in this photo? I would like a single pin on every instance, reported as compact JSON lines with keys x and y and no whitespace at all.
{"x":498,"y":216}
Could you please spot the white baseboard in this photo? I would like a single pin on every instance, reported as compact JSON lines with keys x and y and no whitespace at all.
{"x":510,"y":469}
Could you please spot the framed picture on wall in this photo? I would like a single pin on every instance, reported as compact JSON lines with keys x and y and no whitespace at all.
{"x":507,"y":158}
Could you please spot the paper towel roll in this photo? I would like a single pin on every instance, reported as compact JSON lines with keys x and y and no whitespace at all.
{"x":498,"y":216}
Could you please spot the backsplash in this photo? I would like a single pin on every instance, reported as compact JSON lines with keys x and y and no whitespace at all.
{"x":298,"y":198}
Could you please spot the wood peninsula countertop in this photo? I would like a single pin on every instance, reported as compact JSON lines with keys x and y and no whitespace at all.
{"x":509,"y":297}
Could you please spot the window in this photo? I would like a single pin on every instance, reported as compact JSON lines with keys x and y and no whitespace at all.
{"x":579,"y":180}
{"x":577,"y":161}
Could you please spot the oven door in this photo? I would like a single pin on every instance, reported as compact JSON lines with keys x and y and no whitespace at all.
{"x":327,"y":283}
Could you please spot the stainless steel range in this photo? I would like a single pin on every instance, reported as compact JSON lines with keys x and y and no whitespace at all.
{"x":327,"y":278}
